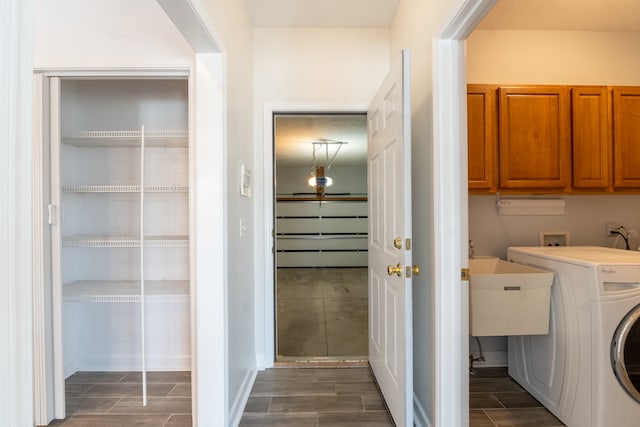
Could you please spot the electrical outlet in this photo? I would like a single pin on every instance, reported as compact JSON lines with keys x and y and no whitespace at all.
{"x":612,"y":226}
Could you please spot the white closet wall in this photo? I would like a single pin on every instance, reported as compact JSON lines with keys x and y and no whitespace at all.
{"x":102,"y":209}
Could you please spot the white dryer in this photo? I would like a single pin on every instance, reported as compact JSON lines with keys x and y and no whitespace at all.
{"x":586,"y":371}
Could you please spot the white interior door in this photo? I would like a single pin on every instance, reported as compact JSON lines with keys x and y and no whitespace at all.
{"x":389,"y":170}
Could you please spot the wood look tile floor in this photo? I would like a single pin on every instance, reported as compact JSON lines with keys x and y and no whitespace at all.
{"x":299,"y":397}
{"x":114,"y":399}
{"x":496,"y":400}
{"x":315,"y":397}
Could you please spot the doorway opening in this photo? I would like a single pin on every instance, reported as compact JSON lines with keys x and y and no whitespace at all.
{"x":320,"y":237}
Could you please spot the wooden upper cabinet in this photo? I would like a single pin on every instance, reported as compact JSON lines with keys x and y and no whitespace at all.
{"x":482,"y":138}
{"x":626,"y":137}
{"x":535,"y":137}
{"x":591,"y":138}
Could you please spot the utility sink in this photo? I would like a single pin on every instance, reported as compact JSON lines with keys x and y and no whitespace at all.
{"x":506,"y":298}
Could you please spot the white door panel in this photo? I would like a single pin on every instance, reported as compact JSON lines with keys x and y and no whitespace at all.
{"x":389,"y":168}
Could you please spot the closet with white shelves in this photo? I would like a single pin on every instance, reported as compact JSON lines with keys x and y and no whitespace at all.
{"x":120,"y":197}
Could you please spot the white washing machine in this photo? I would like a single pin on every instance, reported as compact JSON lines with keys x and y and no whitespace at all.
{"x":586,"y":371}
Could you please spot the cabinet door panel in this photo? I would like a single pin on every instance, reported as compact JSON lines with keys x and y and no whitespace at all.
{"x":591,"y":137}
{"x":626,"y":137}
{"x":534,"y":137}
{"x":482,"y":138}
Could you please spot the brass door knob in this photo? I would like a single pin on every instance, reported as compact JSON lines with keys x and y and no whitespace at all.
{"x":415,"y":269}
{"x":391,"y":270}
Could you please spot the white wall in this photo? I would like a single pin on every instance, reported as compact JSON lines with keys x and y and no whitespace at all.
{"x":315,"y":65}
{"x":314,"y":69}
{"x":98,"y":34}
{"x":234,"y":30}
{"x":414,"y":26}
{"x":553,"y":57}
{"x":550,"y":57}
{"x":585,"y":219}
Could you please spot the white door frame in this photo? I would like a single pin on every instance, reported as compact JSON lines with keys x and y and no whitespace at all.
{"x":16,"y":305}
{"x":265,"y":282}
{"x":451,"y":213}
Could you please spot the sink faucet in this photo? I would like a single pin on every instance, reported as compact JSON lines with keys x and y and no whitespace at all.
{"x":625,"y":235}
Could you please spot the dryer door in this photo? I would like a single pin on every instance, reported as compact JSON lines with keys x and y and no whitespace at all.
{"x":625,"y":353}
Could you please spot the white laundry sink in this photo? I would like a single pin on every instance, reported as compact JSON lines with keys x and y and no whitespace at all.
{"x":506,"y":298}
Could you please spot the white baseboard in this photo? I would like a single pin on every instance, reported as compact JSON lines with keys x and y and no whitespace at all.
{"x":128,"y":363}
{"x":239,"y":403}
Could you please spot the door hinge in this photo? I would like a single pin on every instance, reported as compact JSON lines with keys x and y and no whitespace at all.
{"x":464,"y":274}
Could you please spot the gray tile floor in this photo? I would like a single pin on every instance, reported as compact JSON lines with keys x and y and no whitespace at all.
{"x":113,"y":399}
{"x":315,"y":397}
{"x":322,"y":312}
{"x":496,"y":400}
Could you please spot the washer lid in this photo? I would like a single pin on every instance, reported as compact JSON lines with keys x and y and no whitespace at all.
{"x":582,"y":255}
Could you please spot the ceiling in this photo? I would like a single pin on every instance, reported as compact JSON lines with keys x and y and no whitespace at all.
{"x":564,"y":15}
{"x":293,"y":142}
{"x":571,"y":15}
{"x":295,"y":135}
{"x":323,"y":13}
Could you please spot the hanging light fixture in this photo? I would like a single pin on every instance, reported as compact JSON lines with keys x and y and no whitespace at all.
{"x":318,"y":178}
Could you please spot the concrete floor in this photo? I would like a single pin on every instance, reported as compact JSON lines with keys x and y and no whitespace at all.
{"x":322,"y":312}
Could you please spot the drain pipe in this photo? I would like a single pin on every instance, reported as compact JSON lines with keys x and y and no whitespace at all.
{"x":472,"y":359}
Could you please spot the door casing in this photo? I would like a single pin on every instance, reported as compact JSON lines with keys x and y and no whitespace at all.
{"x":265,"y":278}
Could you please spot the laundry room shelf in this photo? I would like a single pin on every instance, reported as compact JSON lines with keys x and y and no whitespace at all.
{"x":125,"y":241}
{"x":126,"y":291}
{"x":125,"y":138}
{"x":125,"y":188}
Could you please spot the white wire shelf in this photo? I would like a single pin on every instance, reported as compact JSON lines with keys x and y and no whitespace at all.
{"x":125,"y":291}
{"x":125,"y":241}
{"x":125,"y":188}
{"x":125,"y":138}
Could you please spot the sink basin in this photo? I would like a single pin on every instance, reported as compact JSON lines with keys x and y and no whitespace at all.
{"x":493,"y":269}
{"x":506,"y":298}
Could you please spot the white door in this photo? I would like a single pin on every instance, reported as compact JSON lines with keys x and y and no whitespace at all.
{"x":389,"y":170}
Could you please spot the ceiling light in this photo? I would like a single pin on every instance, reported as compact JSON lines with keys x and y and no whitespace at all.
{"x":318,"y":179}
{"x":322,"y":181}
